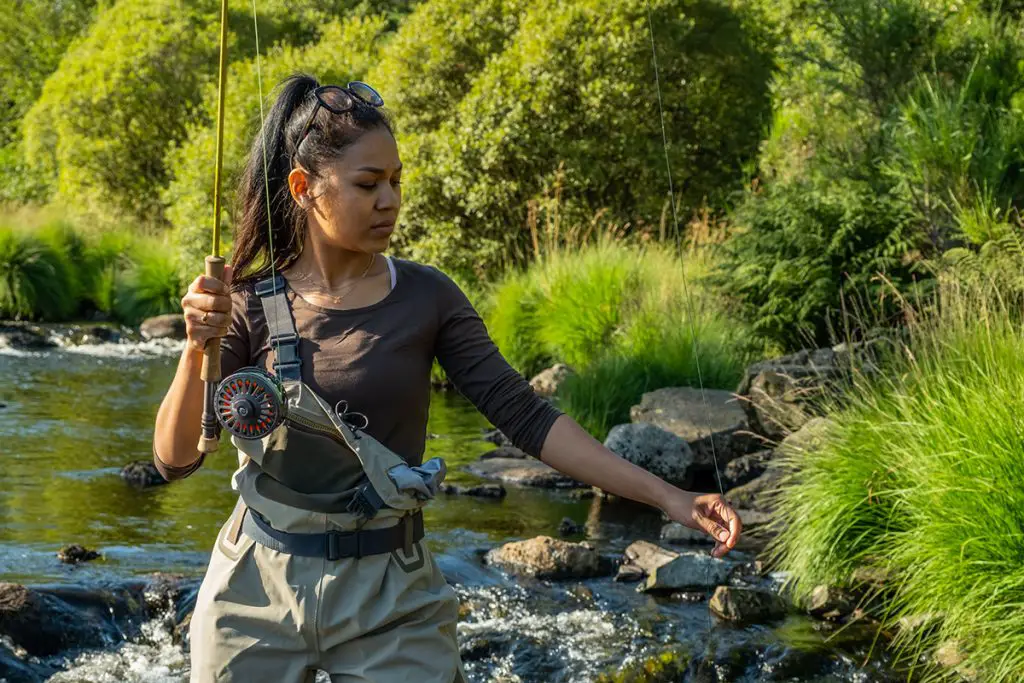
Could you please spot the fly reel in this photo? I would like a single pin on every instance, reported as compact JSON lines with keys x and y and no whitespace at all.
{"x":250,"y":403}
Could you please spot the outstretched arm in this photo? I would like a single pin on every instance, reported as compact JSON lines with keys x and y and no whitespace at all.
{"x":571,"y":450}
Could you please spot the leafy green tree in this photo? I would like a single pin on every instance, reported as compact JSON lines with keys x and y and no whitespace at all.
{"x":342,"y":53}
{"x":120,"y":96}
{"x":133,"y":85}
{"x":569,"y":99}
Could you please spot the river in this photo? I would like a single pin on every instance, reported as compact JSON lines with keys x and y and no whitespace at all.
{"x":73,"y":417}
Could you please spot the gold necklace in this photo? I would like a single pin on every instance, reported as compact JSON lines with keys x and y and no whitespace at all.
{"x":330,"y":295}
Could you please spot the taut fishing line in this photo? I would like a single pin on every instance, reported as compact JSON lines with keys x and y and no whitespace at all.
{"x":690,"y":314}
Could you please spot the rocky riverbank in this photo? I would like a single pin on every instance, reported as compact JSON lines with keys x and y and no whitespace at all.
{"x":616,"y":565}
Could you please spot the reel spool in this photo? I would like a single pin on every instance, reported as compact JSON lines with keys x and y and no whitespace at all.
{"x":250,"y":403}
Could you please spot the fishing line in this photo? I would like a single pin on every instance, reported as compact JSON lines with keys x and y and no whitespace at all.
{"x":686,"y":293}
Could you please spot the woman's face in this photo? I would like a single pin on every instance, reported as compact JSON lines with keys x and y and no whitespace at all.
{"x":355,"y":195}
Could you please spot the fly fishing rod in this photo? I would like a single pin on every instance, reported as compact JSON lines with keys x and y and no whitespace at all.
{"x":210,"y":438}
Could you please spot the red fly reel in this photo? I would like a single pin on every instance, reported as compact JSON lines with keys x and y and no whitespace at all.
{"x":250,"y":403}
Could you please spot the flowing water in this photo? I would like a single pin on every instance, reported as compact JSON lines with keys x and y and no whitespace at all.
{"x":71,"y":418}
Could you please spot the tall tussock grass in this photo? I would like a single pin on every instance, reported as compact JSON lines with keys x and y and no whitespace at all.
{"x":55,"y":272}
{"x":922,"y":475}
{"x":628,"y":315}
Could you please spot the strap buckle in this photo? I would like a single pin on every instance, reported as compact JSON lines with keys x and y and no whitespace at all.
{"x":341,"y":545}
{"x":269,"y":285}
{"x":366,"y":502}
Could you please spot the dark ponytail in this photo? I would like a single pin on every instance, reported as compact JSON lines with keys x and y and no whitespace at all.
{"x":330,"y":134}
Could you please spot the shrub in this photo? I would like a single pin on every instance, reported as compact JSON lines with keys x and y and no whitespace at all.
{"x":34,"y":282}
{"x":802,"y":248}
{"x":152,"y":286}
{"x":918,"y":477}
{"x":567,"y":99}
{"x":341,"y":54}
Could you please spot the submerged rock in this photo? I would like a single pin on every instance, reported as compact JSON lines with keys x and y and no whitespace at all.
{"x":495,"y":491}
{"x":25,"y":337}
{"x":661,"y":453}
{"x":74,"y":553}
{"x":549,"y":558}
{"x":45,"y":625}
{"x":142,"y":474}
{"x":665,"y":667}
{"x":527,"y":472}
{"x":747,"y":605}
{"x":567,"y":527}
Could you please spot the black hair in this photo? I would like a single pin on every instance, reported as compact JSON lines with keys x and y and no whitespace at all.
{"x":329,"y":135}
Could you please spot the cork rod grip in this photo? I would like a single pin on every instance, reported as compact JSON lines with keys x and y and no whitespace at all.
{"x":210,"y":373}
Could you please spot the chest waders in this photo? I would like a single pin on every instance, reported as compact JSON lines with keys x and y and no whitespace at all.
{"x":301,"y":579}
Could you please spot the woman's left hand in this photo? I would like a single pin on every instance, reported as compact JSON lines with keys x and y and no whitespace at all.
{"x":712,"y":515}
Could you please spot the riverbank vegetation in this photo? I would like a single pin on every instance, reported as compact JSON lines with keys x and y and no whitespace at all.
{"x":920,"y":478}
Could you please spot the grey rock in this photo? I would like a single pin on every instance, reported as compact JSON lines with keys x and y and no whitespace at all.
{"x":747,"y":605}
{"x":810,"y":437}
{"x":871,"y":577}
{"x":776,"y":399}
{"x":690,"y":570}
{"x":544,"y":557}
{"x":683,"y":411}
{"x":496,"y":437}
{"x":831,"y":602}
{"x":546,"y":383}
{"x":170,"y":326}
{"x":505,"y":452}
{"x":648,"y":556}
{"x":757,"y":494}
{"x":568,"y":527}
{"x":677,"y":534}
{"x":495,"y":491}
{"x":630,"y":573}
{"x":528,"y":472}
{"x":45,"y":625}
{"x":712,"y":422}
{"x":952,"y":655}
{"x":661,"y":453}
{"x":25,"y":337}
{"x":74,"y":554}
{"x":746,"y":468}
{"x":142,"y":474}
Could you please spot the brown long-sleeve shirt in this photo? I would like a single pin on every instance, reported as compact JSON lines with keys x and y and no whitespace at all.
{"x":378,"y":358}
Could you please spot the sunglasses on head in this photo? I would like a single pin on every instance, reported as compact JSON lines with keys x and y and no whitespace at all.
{"x":339,"y":100}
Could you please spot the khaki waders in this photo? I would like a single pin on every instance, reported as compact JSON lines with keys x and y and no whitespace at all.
{"x":301,"y":578}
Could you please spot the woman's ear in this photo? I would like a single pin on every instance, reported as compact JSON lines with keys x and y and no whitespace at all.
{"x":298,"y":185}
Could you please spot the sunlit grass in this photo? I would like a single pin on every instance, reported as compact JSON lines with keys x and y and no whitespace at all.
{"x":923,"y":474}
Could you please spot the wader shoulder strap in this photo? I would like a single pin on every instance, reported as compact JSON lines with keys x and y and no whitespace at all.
{"x":284,"y":340}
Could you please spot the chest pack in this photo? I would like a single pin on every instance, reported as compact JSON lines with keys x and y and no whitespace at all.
{"x":262,"y":409}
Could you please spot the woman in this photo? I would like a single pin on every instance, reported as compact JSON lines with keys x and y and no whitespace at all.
{"x":314,"y":569}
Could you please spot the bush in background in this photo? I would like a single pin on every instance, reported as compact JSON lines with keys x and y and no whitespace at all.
{"x":920,"y":477}
{"x":566,"y":101}
{"x":627,"y":318}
